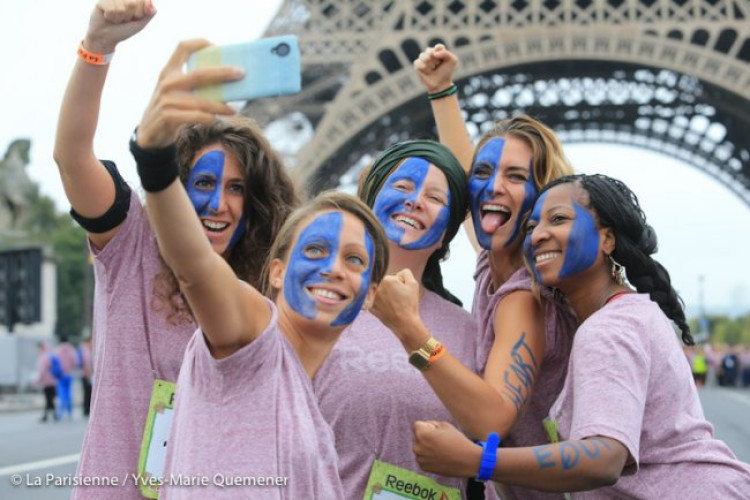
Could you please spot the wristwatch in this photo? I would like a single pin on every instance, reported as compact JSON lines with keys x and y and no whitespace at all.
{"x":422,"y":358}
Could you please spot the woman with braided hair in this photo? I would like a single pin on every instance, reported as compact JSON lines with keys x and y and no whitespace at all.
{"x":628,"y":420}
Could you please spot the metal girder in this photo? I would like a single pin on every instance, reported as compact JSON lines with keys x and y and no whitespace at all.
{"x":674,"y":75}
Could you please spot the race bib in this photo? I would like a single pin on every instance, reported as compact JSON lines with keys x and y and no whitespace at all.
{"x":155,"y":435}
{"x":388,"y":482}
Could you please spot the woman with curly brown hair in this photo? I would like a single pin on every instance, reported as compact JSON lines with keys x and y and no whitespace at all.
{"x":239,"y":188}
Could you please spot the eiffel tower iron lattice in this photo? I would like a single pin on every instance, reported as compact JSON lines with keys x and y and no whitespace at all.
{"x":666,"y":75}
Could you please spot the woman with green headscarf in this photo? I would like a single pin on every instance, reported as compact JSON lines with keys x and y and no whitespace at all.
{"x":366,"y":390}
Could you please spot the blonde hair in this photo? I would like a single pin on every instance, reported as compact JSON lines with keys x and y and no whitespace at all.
{"x":549,"y":160}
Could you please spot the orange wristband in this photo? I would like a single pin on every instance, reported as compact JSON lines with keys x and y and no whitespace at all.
{"x":437,"y":353}
{"x":92,"y":57}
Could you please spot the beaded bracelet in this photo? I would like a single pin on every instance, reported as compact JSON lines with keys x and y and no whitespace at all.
{"x":453,"y":89}
{"x":92,"y":57}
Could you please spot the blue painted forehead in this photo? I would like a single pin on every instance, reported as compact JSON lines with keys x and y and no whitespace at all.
{"x":491,"y":151}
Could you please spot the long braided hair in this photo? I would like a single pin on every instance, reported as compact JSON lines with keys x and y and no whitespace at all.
{"x":617,"y":208}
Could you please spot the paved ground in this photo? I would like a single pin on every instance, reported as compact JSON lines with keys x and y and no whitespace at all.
{"x":40,"y":452}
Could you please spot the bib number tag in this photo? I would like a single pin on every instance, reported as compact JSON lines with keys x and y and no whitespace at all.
{"x":388,"y":482}
{"x":155,"y":435}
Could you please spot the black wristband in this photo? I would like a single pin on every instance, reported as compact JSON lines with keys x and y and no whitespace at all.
{"x":157,"y":168}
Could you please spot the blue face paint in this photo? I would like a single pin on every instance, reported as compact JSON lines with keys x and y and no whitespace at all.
{"x":530,"y":193}
{"x":391,"y":201}
{"x":324,"y":232}
{"x":583,"y":243}
{"x":350,"y":312}
{"x":481,"y":188}
{"x":528,"y":247}
{"x":209,"y":169}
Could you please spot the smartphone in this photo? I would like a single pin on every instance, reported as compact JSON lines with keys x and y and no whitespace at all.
{"x":272,"y":67}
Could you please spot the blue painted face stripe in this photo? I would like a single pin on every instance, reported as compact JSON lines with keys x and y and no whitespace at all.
{"x":323,"y":232}
{"x":530,"y":192}
{"x":211,"y":166}
{"x":208,"y":166}
{"x":350,"y":312}
{"x":583,"y":243}
{"x":528,"y":247}
{"x":392,"y":201}
{"x":481,"y":190}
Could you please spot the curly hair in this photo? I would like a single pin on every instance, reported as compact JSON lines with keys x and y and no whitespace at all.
{"x":270,"y":196}
{"x":617,"y":208}
{"x":328,"y":200}
{"x":549,"y":160}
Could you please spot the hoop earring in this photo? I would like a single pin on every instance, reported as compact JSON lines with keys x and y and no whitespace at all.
{"x":617,"y":270}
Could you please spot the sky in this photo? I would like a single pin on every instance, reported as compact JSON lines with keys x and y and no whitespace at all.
{"x":703,"y":228}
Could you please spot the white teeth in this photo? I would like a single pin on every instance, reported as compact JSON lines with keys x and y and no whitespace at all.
{"x":328,"y":294}
{"x":216,"y":226}
{"x":409,"y":221}
{"x":495,"y":208}
{"x":545,"y":256}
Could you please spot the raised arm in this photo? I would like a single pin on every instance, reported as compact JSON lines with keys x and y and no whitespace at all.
{"x":230,"y":312}
{"x":435,"y":67}
{"x":576,"y":465}
{"x":480,"y":406}
{"x":88,"y":186}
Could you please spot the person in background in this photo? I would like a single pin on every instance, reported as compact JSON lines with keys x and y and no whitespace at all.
{"x":46,"y":379}
{"x":84,"y":365}
{"x":69,"y":362}
{"x":698,"y":366}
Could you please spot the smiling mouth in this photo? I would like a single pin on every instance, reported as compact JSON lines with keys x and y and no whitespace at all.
{"x":214,"y":227}
{"x":406,"y":220}
{"x":545,"y":257}
{"x":493,"y":216}
{"x":325,"y":294}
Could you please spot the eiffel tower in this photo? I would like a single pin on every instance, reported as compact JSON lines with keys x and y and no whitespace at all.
{"x":666,"y":75}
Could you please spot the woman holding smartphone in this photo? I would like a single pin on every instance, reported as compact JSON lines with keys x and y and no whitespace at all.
{"x":141,"y":320}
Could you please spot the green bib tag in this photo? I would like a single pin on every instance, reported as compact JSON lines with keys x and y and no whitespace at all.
{"x":155,"y":435}
{"x":388,"y":482}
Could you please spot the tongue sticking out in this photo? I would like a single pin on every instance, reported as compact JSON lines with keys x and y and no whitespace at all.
{"x":493,"y":220}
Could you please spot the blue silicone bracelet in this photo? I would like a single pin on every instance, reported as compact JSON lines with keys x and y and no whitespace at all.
{"x":489,"y":457}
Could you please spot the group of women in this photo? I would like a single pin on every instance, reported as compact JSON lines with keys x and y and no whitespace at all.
{"x":317,"y":347}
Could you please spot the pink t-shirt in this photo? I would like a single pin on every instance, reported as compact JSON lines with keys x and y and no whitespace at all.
{"x":371,"y":395}
{"x":629,"y":380}
{"x":68,"y":358}
{"x":560,"y":325}
{"x":43,"y":370}
{"x":133,"y":345}
{"x":250,"y":415}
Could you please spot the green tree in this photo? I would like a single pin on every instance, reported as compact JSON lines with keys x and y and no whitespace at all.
{"x":67,"y":240}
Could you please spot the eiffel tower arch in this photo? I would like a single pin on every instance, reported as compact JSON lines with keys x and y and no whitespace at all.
{"x":666,"y":75}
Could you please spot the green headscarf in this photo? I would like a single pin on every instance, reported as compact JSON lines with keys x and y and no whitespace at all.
{"x":438,"y":155}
